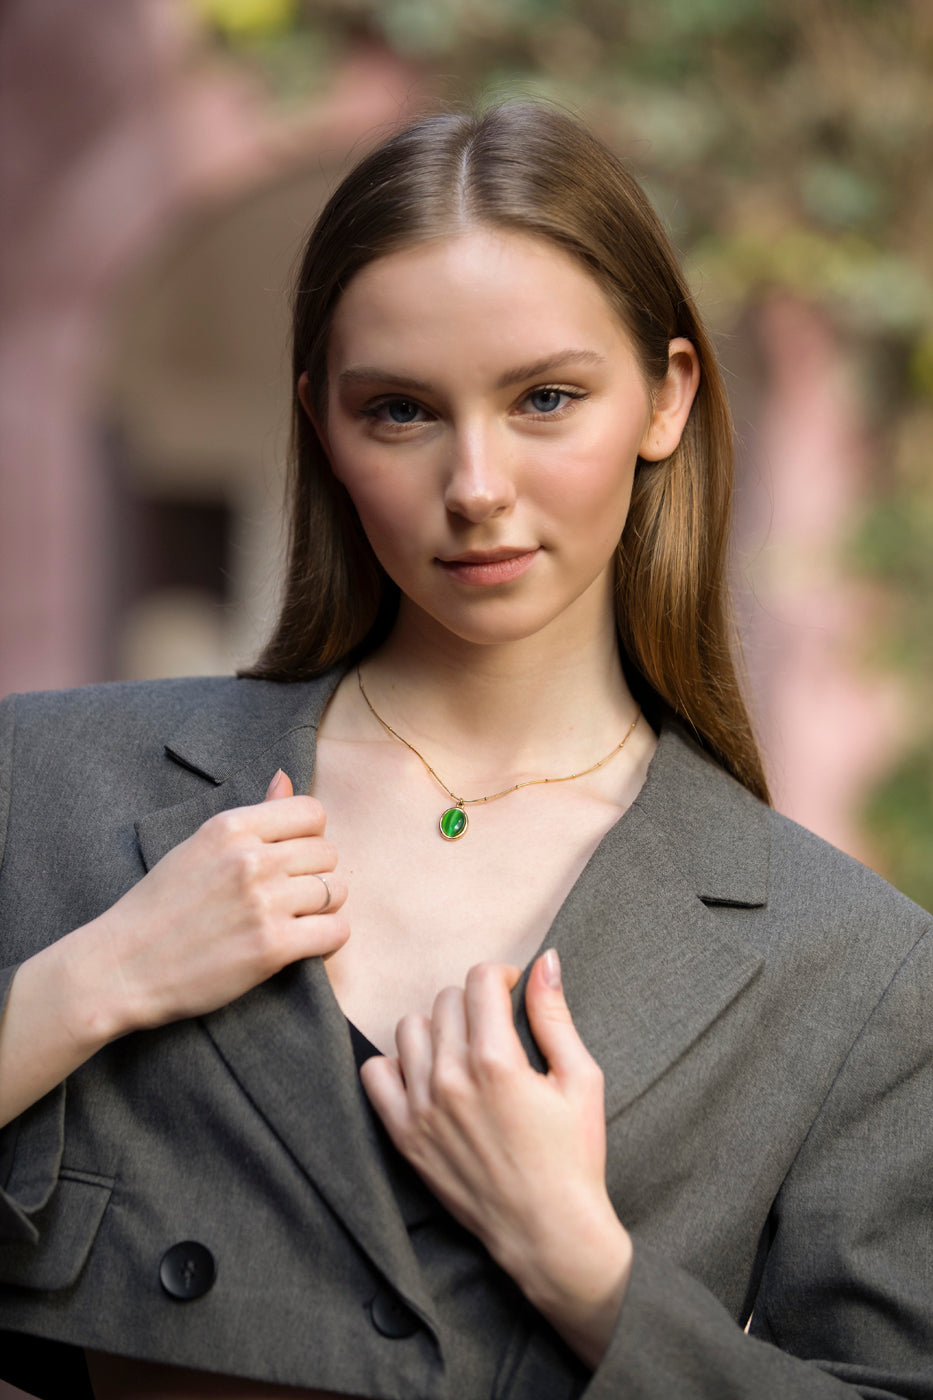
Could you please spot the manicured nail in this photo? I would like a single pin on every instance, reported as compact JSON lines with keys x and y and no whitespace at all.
{"x":551,"y":964}
{"x":275,"y":779}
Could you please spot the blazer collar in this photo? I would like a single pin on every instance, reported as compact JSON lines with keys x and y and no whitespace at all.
{"x":245,"y":718}
{"x":648,"y":966}
{"x":718,"y":834}
{"x":243,"y":732}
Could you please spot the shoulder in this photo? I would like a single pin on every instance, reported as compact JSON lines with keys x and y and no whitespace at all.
{"x":833,"y":884}
{"x":49,"y":739}
{"x":62,"y":751}
{"x":102,"y":746}
{"x":830,"y":912}
{"x":143,"y":716}
{"x":805,"y":898}
{"x":128,"y":704}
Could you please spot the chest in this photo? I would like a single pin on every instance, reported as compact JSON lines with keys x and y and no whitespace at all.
{"x":423,"y":910}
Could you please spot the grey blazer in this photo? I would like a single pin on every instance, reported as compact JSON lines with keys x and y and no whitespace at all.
{"x":759,"y":1004}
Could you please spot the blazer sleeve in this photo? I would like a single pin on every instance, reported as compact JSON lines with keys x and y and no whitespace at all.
{"x":845,"y":1302}
{"x":27,"y":1180}
{"x":45,"y":1368}
{"x":7,"y":728}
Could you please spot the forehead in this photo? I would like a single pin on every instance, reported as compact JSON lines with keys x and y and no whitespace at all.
{"x":481,"y":292}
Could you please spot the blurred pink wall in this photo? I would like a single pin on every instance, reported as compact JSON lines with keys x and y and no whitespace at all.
{"x":828,"y":725}
{"x":116,"y":129}
{"x":106,"y":143}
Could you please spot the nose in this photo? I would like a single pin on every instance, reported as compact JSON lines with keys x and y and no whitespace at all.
{"x":480,"y":484}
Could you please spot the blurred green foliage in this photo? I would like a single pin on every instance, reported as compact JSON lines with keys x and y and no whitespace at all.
{"x":899,"y":815}
{"x":248,"y":20}
{"x":788,"y":144}
{"x":894,"y":544}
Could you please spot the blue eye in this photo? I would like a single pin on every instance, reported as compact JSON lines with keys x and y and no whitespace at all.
{"x":549,"y":400}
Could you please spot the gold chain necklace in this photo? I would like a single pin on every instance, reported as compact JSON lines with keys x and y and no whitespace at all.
{"x":453,"y":821}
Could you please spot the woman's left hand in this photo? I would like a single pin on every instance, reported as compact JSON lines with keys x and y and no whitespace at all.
{"x":516,"y":1156}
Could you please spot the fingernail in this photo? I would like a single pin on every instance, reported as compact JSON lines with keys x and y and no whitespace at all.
{"x":551,"y":964}
{"x":275,"y":779}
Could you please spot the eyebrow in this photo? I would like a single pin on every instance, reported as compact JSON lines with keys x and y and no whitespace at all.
{"x":367,"y":374}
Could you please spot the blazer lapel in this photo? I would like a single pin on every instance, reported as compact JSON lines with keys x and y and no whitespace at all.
{"x":236,"y":741}
{"x":287,"y":1045}
{"x":286,"y":1042}
{"x":647,"y":967}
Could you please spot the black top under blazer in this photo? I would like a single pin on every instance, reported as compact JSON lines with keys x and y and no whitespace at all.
{"x":759,"y":1003}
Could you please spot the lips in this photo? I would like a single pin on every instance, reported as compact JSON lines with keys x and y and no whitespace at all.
{"x":489,"y":567}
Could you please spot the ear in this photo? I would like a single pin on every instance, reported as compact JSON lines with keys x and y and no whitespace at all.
{"x":672,"y":402}
{"x":307,"y":403}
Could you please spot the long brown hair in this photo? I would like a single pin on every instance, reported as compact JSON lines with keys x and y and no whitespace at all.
{"x":531,"y":168}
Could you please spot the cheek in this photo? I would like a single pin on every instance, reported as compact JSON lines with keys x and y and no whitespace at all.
{"x":368,"y":484}
{"x":386,"y":505}
{"x":593,"y":488}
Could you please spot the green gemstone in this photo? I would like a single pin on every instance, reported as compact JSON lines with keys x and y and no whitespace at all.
{"x":453,"y":823}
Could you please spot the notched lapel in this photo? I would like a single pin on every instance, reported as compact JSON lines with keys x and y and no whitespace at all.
{"x":158,"y":832}
{"x":647,"y":967}
{"x":236,"y":739}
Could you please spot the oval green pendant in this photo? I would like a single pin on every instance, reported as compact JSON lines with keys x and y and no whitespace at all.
{"x":453,"y":823}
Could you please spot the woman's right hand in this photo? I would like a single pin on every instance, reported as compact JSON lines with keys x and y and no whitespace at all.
{"x":220,"y":913}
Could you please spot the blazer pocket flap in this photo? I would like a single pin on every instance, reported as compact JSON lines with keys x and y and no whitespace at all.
{"x":66,"y":1227}
{"x":30,"y":1156}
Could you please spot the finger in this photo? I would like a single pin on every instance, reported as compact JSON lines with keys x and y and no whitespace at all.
{"x":488,"y":991}
{"x":303,"y":855}
{"x":491,"y":1030}
{"x":449,"y":1022}
{"x":273,"y":820}
{"x":382,"y":1079}
{"x":416,"y":1057}
{"x":317,"y":935}
{"x":550,"y":1020}
{"x":288,"y":817}
{"x":450,"y":1069}
{"x":281,"y":786}
{"x":314,"y":894}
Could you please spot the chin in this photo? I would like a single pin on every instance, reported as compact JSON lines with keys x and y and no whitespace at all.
{"x":504,"y":625}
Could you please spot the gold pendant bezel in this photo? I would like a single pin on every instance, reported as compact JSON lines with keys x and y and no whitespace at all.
{"x":458,"y":836}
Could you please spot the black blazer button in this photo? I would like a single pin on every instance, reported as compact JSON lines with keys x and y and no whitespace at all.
{"x":391,"y":1317}
{"x":187,"y":1270}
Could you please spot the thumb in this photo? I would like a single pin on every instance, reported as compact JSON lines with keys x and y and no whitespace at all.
{"x":281,"y":786}
{"x":550,"y":1020}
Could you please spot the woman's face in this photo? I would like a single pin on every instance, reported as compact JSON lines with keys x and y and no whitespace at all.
{"x":485,"y":412}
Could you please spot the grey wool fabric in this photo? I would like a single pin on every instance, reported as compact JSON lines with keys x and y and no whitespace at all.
{"x":759,"y":1003}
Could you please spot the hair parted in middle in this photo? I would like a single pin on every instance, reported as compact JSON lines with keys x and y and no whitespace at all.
{"x":530,"y":168}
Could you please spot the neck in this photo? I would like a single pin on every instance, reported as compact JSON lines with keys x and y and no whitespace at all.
{"x":491,"y":712}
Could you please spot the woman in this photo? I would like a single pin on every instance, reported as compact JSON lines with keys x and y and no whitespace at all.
{"x":518,"y":717}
